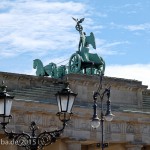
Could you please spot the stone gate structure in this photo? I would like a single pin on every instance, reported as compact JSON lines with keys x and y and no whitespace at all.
{"x":35,"y":101}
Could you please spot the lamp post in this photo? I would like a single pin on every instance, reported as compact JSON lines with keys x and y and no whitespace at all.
{"x":108,"y":116}
{"x":65,"y":100}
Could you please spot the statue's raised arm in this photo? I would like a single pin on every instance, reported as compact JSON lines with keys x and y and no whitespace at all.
{"x":79,"y":28}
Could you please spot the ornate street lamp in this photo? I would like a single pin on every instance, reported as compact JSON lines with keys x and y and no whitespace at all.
{"x":108,"y":116}
{"x":5,"y":106}
{"x":65,"y":100}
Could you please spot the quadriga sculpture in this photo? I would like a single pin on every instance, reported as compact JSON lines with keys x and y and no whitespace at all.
{"x":80,"y":62}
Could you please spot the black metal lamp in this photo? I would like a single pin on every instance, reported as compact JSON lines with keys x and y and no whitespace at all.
{"x":96,"y":122}
{"x":65,"y":100}
{"x":5,"y":105}
{"x":109,"y":116}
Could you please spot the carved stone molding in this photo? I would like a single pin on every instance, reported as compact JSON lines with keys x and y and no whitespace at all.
{"x":130,"y":128}
{"x":134,"y":147}
{"x":115,"y":127}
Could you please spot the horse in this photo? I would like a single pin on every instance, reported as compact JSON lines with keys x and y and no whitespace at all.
{"x":51,"y":70}
{"x":37,"y":64}
{"x":61,"y":71}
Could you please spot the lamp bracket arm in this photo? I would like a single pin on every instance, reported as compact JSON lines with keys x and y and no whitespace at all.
{"x":107,"y":92}
{"x":20,"y":139}
{"x":60,"y":131}
{"x":47,"y":138}
{"x":13,"y":135}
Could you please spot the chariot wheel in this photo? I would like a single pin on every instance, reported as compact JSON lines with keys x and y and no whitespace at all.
{"x":79,"y":28}
{"x":75,"y":63}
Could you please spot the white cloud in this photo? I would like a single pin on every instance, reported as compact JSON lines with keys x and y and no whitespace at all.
{"x":145,"y":26}
{"x":137,"y":27}
{"x":138,"y":72}
{"x":108,"y":45}
{"x":126,"y":8}
{"x":106,"y":48}
{"x":38,"y":26}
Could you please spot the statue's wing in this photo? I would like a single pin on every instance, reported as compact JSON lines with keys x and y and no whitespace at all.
{"x":74,"y":19}
{"x":91,"y":40}
{"x":81,"y":20}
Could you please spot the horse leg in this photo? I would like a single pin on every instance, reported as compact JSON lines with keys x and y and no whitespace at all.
{"x":101,"y":67}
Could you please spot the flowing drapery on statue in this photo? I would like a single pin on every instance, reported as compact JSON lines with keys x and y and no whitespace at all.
{"x":82,"y":61}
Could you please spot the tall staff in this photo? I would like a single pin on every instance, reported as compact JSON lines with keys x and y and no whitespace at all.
{"x":79,"y":28}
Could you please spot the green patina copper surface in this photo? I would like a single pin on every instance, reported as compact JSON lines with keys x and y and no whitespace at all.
{"x":49,"y":70}
{"x":82,"y":59}
{"x":80,"y":62}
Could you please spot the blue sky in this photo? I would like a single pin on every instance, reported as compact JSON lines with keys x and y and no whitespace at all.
{"x":44,"y":29}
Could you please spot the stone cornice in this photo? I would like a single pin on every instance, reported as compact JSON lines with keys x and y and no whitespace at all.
{"x":124,"y":91}
{"x":19,"y":81}
{"x":32,"y":80}
{"x":107,"y":81}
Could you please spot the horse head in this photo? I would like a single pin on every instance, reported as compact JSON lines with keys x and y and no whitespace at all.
{"x":37,"y":64}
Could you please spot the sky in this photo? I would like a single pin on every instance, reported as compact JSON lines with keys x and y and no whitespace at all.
{"x":45,"y":30}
